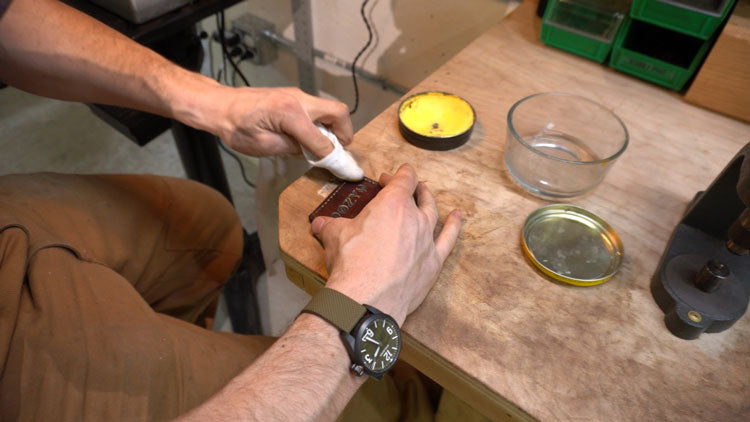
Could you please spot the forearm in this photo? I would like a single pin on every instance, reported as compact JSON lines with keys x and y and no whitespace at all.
{"x":51,"y":49}
{"x":306,"y":374}
{"x":303,"y":376}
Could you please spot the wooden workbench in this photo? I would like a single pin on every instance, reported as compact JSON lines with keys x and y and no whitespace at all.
{"x":496,"y":332}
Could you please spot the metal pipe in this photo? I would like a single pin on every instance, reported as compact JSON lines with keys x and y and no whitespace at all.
{"x":284,"y":42}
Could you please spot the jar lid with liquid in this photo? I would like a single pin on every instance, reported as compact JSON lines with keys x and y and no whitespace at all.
{"x":571,"y":245}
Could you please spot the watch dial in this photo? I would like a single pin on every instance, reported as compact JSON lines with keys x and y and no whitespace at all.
{"x":379,"y":344}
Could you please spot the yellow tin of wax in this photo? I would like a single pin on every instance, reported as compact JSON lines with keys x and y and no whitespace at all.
{"x":572,"y":245}
{"x":436,"y":120}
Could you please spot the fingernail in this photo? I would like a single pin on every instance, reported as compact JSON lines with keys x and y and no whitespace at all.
{"x":317,"y":224}
{"x":458,"y":214}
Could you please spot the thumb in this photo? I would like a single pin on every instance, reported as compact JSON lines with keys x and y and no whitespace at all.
{"x":320,"y":226}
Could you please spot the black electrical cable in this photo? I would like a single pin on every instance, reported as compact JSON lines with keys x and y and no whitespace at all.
{"x":225,"y":53}
{"x":239,"y":162}
{"x":354,"y":63}
{"x":224,"y":57}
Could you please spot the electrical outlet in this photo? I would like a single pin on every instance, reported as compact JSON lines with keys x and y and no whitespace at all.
{"x":260,"y":49}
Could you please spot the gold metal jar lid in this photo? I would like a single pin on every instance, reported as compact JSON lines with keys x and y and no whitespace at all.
{"x":436,"y":120}
{"x":572,"y":245}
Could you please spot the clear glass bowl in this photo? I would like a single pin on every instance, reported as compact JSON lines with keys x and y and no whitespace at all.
{"x":562,"y":145}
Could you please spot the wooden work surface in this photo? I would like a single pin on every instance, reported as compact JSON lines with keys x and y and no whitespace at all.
{"x":498,"y":333}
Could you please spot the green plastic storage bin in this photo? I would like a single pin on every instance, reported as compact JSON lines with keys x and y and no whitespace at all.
{"x":698,"y":18}
{"x":583,"y":27}
{"x":657,"y":54}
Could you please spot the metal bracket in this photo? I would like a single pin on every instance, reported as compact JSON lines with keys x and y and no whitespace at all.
{"x":303,"y":36}
{"x":253,"y":29}
{"x":261,"y":40}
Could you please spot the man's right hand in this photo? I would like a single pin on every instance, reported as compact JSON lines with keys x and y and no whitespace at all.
{"x":276,"y":121}
{"x":388,"y":256}
{"x":77,"y":58}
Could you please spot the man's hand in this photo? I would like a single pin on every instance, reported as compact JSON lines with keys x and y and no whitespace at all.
{"x":271,"y":121}
{"x":71,"y":56}
{"x":388,"y":256}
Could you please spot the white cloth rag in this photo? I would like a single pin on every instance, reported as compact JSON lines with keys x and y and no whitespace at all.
{"x":339,"y":161}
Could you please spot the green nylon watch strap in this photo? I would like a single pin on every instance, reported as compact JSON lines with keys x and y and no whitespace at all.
{"x":336,"y":308}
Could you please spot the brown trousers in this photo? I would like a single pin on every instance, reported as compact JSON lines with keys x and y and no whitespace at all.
{"x":101,"y":281}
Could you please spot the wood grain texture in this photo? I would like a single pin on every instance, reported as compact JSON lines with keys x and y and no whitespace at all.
{"x":723,"y":81}
{"x":557,"y":352}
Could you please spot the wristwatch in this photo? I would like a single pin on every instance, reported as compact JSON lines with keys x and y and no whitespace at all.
{"x":371,"y":337}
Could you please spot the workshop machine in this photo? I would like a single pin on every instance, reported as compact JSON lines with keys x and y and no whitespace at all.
{"x":703,"y":280}
{"x":140,"y":11}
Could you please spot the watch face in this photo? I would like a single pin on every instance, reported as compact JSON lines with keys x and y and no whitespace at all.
{"x":378,"y":343}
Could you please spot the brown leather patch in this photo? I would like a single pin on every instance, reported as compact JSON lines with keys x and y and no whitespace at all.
{"x":348,"y":199}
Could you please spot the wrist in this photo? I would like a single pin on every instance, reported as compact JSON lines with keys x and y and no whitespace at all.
{"x":198,"y":101}
{"x":372,"y":338}
{"x":311,"y":324}
{"x":363,"y":292}
{"x":319,"y":334}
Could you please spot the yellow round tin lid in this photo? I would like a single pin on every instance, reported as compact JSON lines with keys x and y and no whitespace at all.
{"x":572,"y":245}
{"x":436,"y":120}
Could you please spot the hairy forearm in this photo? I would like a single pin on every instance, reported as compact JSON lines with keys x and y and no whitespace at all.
{"x":303,"y":376}
{"x":51,"y":49}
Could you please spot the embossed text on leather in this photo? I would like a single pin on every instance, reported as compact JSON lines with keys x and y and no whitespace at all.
{"x":348,"y":199}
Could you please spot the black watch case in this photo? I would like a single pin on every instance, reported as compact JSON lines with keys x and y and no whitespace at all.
{"x":374,"y":344}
